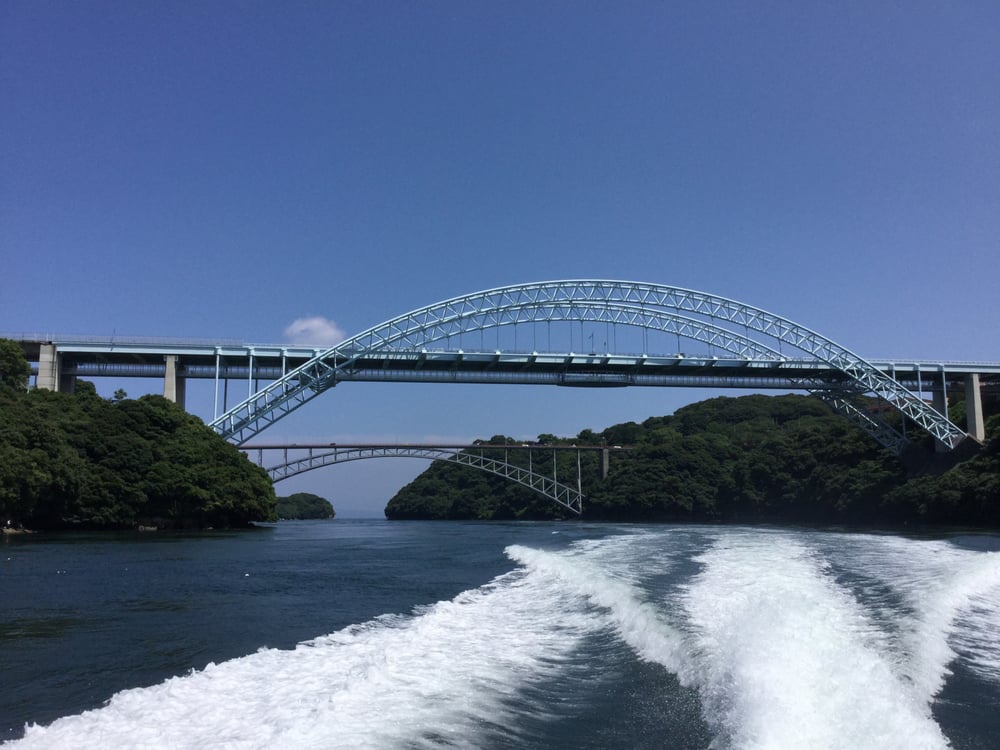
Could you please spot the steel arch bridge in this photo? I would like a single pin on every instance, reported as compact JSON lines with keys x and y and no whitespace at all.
{"x":318,"y":456}
{"x":734,"y":327}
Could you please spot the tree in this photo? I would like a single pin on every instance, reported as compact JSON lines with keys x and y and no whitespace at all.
{"x":14,"y":368}
{"x":304,"y":505}
{"x":81,"y":461}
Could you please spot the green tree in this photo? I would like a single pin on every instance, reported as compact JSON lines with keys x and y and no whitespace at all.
{"x":80,"y":461}
{"x":303,"y":505}
{"x":14,"y":368}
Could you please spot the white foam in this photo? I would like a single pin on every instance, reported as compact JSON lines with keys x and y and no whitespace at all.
{"x":444,"y":676}
{"x":785,"y":658}
{"x":590,"y":573}
{"x":953,"y":601}
{"x":976,"y":634}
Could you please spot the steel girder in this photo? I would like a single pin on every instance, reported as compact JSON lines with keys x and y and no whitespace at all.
{"x":562,"y":494}
{"x":623,"y":302}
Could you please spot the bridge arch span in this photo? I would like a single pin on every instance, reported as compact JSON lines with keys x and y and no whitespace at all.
{"x":548,"y":486}
{"x":736,"y":327}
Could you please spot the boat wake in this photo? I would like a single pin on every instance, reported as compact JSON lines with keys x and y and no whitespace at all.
{"x":790,"y":640}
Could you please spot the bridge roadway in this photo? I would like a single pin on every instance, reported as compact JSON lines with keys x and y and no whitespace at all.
{"x":833,"y":377}
{"x":58,"y":360}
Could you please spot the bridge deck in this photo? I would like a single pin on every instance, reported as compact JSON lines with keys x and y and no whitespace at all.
{"x":267,"y":362}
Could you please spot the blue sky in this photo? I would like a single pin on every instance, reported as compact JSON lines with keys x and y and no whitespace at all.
{"x":222,"y":170}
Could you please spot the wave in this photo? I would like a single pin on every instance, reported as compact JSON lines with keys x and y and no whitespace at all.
{"x":448,"y":675}
{"x":782,"y":652}
{"x":636,"y":621}
{"x":951,"y":600}
{"x":785,"y":657}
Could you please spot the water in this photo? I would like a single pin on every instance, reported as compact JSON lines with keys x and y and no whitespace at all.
{"x":369,"y":634}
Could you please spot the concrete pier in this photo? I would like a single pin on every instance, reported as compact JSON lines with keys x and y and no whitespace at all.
{"x":48,"y":368}
{"x":50,"y":375}
{"x":974,"y":408}
{"x":174,"y":386}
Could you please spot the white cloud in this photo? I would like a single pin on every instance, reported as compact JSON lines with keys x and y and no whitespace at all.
{"x":314,"y":331}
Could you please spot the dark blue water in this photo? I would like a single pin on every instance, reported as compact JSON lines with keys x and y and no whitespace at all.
{"x":377,"y":634}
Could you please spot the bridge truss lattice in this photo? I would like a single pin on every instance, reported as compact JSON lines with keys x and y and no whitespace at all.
{"x":315,"y":457}
{"x":732,"y":326}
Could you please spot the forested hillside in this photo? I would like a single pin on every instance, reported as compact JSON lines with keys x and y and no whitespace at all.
{"x":302,"y":506}
{"x":753,"y":458}
{"x":81,"y":461}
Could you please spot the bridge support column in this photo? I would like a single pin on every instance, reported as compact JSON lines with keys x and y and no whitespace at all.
{"x":940,"y":403}
{"x":48,"y":368}
{"x":174,"y":386}
{"x":605,"y":462}
{"x":50,"y":375}
{"x":974,"y":407}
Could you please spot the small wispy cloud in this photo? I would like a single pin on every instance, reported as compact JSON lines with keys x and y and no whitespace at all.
{"x":314,"y":330}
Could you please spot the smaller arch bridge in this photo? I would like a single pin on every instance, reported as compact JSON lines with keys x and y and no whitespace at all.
{"x":285,"y":461}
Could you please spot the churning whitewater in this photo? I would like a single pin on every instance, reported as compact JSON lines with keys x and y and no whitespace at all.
{"x":787,"y":639}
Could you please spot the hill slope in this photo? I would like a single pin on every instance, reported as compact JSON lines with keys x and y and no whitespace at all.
{"x":81,"y":461}
{"x":752,"y":458}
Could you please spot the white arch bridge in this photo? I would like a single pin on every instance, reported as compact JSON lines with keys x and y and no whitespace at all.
{"x":429,"y":345}
{"x":284,"y":461}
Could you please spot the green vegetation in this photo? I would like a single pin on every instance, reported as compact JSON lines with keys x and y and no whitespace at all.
{"x":14,"y":368}
{"x":80,"y":461}
{"x":753,"y":458}
{"x":303,"y":505}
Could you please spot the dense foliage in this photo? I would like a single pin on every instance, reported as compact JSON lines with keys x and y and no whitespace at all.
{"x":14,"y":368}
{"x":80,"y":461}
{"x":967,"y":494}
{"x":303,"y":505}
{"x":753,"y":458}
